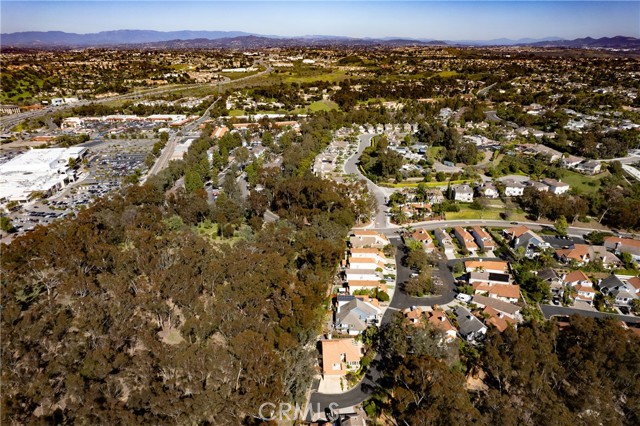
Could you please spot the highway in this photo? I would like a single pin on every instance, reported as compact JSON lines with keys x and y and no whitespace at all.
{"x":9,"y":121}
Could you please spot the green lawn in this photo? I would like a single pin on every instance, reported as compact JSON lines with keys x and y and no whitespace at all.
{"x":236,"y":112}
{"x":583,"y":183}
{"x":467,"y":213}
{"x":435,"y":152}
{"x":309,"y":77}
{"x":446,"y":74}
{"x":323,"y":106}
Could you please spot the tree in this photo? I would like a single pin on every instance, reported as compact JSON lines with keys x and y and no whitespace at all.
{"x":420,"y":285}
{"x":561,"y":225}
{"x":5,"y":224}
{"x":192,"y":181}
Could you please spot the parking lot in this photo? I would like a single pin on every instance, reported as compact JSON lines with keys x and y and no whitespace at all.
{"x":107,"y":164}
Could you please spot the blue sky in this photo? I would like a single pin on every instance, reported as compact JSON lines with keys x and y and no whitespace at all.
{"x":450,"y":20}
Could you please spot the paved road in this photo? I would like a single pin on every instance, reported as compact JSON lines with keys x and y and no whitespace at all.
{"x":351,"y":167}
{"x":168,"y":150}
{"x":552,"y":311}
{"x":632,"y":170}
{"x":400,"y":301}
{"x":8,"y":122}
{"x":437,"y":224}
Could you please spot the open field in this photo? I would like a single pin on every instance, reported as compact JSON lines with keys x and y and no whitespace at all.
{"x":583,"y":183}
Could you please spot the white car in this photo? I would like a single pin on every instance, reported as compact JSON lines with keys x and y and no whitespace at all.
{"x":464,"y":297}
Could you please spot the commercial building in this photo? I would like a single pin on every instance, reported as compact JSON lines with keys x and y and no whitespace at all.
{"x":37,"y":170}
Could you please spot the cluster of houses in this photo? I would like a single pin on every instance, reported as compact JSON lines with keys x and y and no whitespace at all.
{"x":365,"y":264}
{"x":509,"y":187}
{"x":474,"y":240}
{"x":575,"y":285}
{"x":461,"y":322}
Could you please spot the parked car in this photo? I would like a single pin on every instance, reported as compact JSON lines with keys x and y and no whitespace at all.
{"x":464,"y":297}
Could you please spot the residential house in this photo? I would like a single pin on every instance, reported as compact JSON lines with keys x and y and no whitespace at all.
{"x":513,"y":188}
{"x":581,"y":284}
{"x":589,"y":167}
{"x":489,"y":278}
{"x":465,"y":239}
{"x":580,"y":254}
{"x":498,"y":319}
{"x":366,"y":263}
{"x":362,"y":274}
{"x":463,"y":193}
{"x":507,"y":293}
{"x":445,"y":241}
{"x":523,"y":237}
{"x":434,"y":196}
{"x":495,"y":266}
{"x":624,"y":245}
{"x":554,"y":280}
{"x":438,"y":319}
{"x":374,"y":253}
{"x":571,"y":161}
{"x":340,"y":356}
{"x":550,"y":154}
{"x":538,"y":185}
{"x":424,"y":237}
{"x":623,"y":291}
{"x":367,"y":285}
{"x":488,"y":190}
{"x":366,"y":238}
{"x":470,"y":327}
{"x":508,"y":309}
{"x":556,"y":187}
{"x":608,"y":259}
{"x":414,"y":315}
{"x":355,"y":316}
{"x":483,"y":239}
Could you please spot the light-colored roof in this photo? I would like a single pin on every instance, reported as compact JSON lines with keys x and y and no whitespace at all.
{"x":421,"y":234}
{"x":438,"y":319}
{"x":576,"y":276}
{"x":623,"y":241}
{"x":367,"y":250}
{"x":499,"y":305}
{"x":332,"y":351}
{"x":499,"y":321}
{"x":365,"y":283}
{"x":578,"y":252}
{"x":510,"y":291}
{"x":494,"y":265}
{"x":517,"y":231}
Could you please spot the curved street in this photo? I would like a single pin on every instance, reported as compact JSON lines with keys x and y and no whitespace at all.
{"x":400,"y":301}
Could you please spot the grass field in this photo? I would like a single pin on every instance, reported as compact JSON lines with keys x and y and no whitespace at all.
{"x":309,"y":77}
{"x":445,"y":74}
{"x":583,"y":183}
{"x":466,"y":213}
{"x":323,"y":106}
{"x":236,"y":112}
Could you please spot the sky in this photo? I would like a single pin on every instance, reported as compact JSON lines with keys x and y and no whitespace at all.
{"x":440,"y":20}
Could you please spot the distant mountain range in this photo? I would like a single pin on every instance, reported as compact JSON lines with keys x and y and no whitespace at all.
{"x":240,"y":39}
